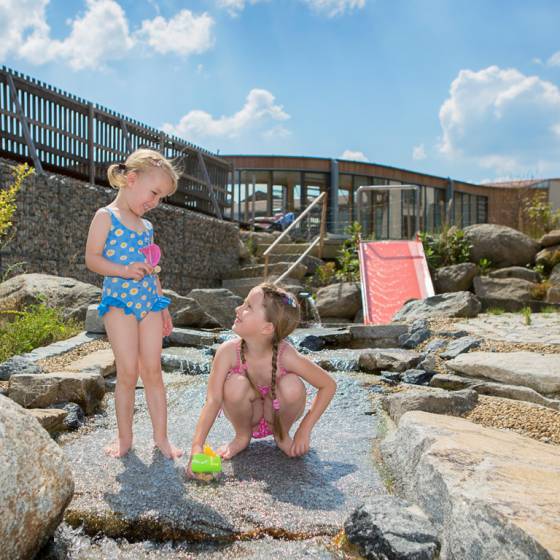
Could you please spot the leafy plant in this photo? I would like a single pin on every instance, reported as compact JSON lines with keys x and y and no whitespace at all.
{"x":496,"y":311}
{"x":446,"y":248}
{"x":8,"y":208}
{"x":35,"y":326}
{"x":539,"y":290}
{"x":484,"y":266}
{"x":324,"y":274}
{"x":541,"y":217}
{"x":526,"y":313}
{"x":348,"y":262}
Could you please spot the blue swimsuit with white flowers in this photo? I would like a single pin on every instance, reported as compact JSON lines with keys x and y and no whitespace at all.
{"x":137,"y":297}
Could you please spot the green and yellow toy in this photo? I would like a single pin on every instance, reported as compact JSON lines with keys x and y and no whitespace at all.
{"x":206,"y":462}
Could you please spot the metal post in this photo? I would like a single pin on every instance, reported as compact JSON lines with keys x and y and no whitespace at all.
{"x":91,"y":161}
{"x":24,"y":125}
{"x":209,"y":185}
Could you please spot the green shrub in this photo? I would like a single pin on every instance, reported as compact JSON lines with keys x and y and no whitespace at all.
{"x":446,"y":248}
{"x":37,"y":325}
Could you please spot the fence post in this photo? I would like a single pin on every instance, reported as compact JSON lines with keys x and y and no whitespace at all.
{"x":91,"y":162}
{"x":24,"y":125}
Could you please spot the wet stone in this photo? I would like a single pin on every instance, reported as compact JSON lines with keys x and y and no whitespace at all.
{"x":145,"y":496}
{"x":192,"y":361}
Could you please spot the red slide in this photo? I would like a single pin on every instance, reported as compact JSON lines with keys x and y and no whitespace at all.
{"x":391,"y":273}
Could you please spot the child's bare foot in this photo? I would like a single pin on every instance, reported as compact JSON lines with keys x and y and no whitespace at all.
{"x":168,"y":450}
{"x":285,"y":445}
{"x":118,"y":448}
{"x":236,"y":445}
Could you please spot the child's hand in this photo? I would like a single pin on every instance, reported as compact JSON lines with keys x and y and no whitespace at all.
{"x":167,"y":322}
{"x":137,"y":270}
{"x":300,"y":444}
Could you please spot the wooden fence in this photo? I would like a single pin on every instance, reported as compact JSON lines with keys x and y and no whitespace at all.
{"x":57,"y":131}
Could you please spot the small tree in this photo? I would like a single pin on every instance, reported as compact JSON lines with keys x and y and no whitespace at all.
{"x":541,"y":217}
{"x":8,"y":208}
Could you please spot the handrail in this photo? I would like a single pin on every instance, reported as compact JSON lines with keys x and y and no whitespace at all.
{"x":300,"y":258}
{"x":364,"y":188}
{"x":322,"y":197}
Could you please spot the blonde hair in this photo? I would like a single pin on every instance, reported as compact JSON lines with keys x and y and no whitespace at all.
{"x":283,"y":311}
{"x":138,"y":161}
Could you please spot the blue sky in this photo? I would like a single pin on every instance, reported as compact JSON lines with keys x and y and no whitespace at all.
{"x":467,"y":89}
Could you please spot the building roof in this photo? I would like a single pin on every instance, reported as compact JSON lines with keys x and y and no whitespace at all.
{"x":519,"y":183}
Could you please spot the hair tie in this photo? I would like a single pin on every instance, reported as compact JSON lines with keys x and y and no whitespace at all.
{"x":276,"y":404}
{"x":288,"y":300}
{"x":122,"y":166}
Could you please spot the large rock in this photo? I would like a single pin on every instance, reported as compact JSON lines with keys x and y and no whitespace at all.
{"x":42,"y":390}
{"x":339,"y":300}
{"x":502,"y":245}
{"x":520,"y":272}
{"x":219,"y":304}
{"x":71,"y":296}
{"x":101,"y":362}
{"x":52,"y":419}
{"x":555,"y":276}
{"x":187,"y":312}
{"x":540,"y":372}
{"x":390,"y":359}
{"x":35,"y":483}
{"x":389,"y":527}
{"x":437,"y":401}
{"x":455,"y":278}
{"x":549,"y":255}
{"x":553,"y":294}
{"x":458,"y":304}
{"x":550,"y":238}
{"x":491,"y":494}
{"x":503,"y":288}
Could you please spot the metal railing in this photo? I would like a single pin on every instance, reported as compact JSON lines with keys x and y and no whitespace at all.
{"x":322,"y":198}
{"x":60,"y":132}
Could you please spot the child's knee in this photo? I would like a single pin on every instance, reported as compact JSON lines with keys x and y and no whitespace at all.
{"x":127,"y":378}
{"x":236,"y":391}
{"x":291,"y":388}
{"x":151,"y":375}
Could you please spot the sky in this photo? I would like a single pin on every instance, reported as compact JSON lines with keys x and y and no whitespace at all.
{"x":468,"y":89}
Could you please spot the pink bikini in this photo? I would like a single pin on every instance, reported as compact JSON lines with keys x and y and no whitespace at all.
{"x":263,"y":428}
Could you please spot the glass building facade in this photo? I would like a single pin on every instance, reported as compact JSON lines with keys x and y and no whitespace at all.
{"x":384,"y":214}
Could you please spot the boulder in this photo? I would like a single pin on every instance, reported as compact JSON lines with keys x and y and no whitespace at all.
{"x":436,"y":401}
{"x":187,"y":312}
{"x":51,"y":419}
{"x":101,"y":362}
{"x":389,"y":527}
{"x":489,"y":493}
{"x":553,"y":294}
{"x":455,"y":278}
{"x":540,"y":372}
{"x":458,"y":304}
{"x":218,"y":303}
{"x":94,"y":323}
{"x":503,"y":288}
{"x":502,"y":245}
{"x":460,"y":345}
{"x":520,"y":272}
{"x":341,"y":300}
{"x":550,"y":238}
{"x":40,"y":391}
{"x":71,"y":296}
{"x":549,"y":256}
{"x":390,"y":359}
{"x":36,"y":483}
{"x":554,"y":278}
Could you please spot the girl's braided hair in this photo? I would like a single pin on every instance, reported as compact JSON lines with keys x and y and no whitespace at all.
{"x":283,"y":311}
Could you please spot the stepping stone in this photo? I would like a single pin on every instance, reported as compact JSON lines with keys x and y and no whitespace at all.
{"x":262,"y":491}
{"x":100,"y":361}
{"x":540,"y":372}
{"x":489,"y":493}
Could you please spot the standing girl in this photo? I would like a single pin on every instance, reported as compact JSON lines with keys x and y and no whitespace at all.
{"x":257,"y":378}
{"x":133,"y":308}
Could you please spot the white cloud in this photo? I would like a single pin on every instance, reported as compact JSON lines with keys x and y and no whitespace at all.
{"x":259,"y":109}
{"x":183,"y":34}
{"x":419,"y":152}
{"x":332,"y":8}
{"x":554,"y":60}
{"x":353,"y":155}
{"x":235,"y":7}
{"x":502,"y":119}
{"x":99,"y":35}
